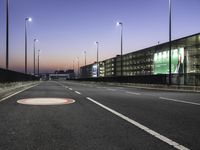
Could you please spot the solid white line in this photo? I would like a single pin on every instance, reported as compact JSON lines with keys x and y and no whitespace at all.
{"x":78,"y":92}
{"x":111,"y":89}
{"x":133,"y":93}
{"x":70,"y":89}
{"x":18,"y":92}
{"x":180,"y":101}
{"x":146,"y":129}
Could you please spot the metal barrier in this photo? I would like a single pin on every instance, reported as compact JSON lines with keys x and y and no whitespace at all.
{"x":177,"y":79}
{"x":146,"y":79}
{"x":13,"y":76}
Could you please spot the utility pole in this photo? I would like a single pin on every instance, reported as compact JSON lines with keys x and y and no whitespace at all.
{"x":7,"y":34}
{"x":38,"y":63}
{"x":170,"y":44}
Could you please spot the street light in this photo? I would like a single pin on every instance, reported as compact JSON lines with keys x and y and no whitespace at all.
{"x":85,"y":57}
{"x":78,"y":67}
{"x":121,"y":24}
{"x":29,"y":20}
{"x":170,"y":44}
{"x":7,"y":34}
{"x":34,"y":41}
{"x":97,"y":43}
{"x":73,"y":64}
{"x":38,"y":62}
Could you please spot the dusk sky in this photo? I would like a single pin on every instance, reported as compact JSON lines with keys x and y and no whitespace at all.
{"x":67,"y":28}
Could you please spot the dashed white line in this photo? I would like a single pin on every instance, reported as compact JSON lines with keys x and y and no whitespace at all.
{"x":146,"y":129}
{"x":133,"y":93}
{"x":180,"y":101}
{"x":70,"y":89}
{"x":18,"y":92}
{"x":77,"y":92}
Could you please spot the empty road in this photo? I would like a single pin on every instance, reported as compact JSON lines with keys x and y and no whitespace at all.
{"x":101,"y":117}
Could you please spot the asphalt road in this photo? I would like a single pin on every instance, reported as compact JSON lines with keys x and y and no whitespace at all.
{"x":102,"y":118}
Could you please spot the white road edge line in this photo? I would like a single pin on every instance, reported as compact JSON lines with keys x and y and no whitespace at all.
{"x":146,"y":129}
{"x":111,"y":89}
{"x":77,"y":92}
{"x":18,"y":92}
{"x":133,"y":93}
{"x":180,"y":101}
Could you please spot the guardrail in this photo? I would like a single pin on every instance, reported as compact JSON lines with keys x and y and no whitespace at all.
{"x":177,"y":79}
{"x":13,"y":76}
{"x":147,"y":79}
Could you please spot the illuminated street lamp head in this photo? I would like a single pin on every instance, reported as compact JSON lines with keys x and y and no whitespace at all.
{"x":119,"y":23}
{"x":35,"y":40}
{"x":28,"y":19}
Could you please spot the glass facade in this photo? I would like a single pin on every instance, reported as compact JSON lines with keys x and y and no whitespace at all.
{"x":154,"y":60}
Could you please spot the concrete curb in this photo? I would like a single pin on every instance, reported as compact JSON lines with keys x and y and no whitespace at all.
{"x":178,"y":88}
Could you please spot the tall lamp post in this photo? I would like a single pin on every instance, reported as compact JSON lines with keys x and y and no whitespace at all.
{"x":170,"y":44}
{"x":7,"y":34}
{"x":97,"y":43}
{"x":34,"y":41}
{"x":85,"y":57}
{"x":121,"y":24}
{"x":38,"y":62}
{"x":28,"y":19}
{"x":73,"y":64}
{"x":78,"y":66}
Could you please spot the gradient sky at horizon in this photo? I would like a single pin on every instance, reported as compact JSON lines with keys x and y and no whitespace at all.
{"x":67,"y":28}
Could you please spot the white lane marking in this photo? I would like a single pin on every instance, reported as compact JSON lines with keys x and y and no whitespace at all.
{"x":133,"y":93}
{"x":77,"y":92}
{"x":121,"y":88}
{"x":18,"y":92}
{"x":180,"y":101}
{"x":146,"y":129}
{"x":70,"y":89}
{"x":63,"y":85}
{"x":104,"y":87}
{"x":99,"y":87}
{"x":111,"y":89}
